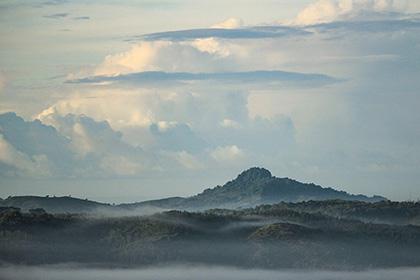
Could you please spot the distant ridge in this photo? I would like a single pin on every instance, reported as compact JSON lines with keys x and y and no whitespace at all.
{"x":250,"y":188}
{"x":54,"y":204}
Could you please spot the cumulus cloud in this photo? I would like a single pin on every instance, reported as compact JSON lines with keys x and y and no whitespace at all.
{"x":159,"y":131}
{"x":75,"y":146}
{"x":168,"y":56}
{"x":230,"y":23}
{"x":36,"y":140}
{"x":324,"y":11}
{"x":212,"y":46}
{"x":139,"y":58}
{"x":124,"y":109}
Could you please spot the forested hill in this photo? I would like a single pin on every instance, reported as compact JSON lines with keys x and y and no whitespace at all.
{"x":253,"y":187}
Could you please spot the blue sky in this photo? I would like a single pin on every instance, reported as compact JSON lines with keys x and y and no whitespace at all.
{"x":129,"y":100}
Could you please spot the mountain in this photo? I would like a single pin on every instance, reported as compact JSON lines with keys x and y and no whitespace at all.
{"x":253,"y":187}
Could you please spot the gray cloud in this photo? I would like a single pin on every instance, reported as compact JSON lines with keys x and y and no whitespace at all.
{"x":256,"y":32}
{"x":57,"y":16}
{"x":266,"y":76}
{"x":176,"y":137}
{"x":76,"y":146}
{"x":81,"y":18}
{"x":36,"y":139}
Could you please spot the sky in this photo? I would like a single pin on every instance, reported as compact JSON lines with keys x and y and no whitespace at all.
{"x":123,"y":101}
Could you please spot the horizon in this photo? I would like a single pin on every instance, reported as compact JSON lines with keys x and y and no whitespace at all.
{"x":121,"y":101}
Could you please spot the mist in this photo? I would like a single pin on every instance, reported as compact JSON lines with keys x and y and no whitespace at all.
{"x":69,"y":272}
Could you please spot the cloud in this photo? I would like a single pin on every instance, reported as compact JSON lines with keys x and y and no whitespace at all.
{"x":230,"y":23}
{"x":173,"y":136}
{"x":57,"y":16}
{"x":187,"y":160}
{"x":54,"y":2}
{"x":29,"y":147}
{"x":36,"y":139}
{"x":95,"y":142}
{"x":324,"y":11}
{"x":123,"y":166}
{"x":256,"y":32}
{"x":163,"y":56}
{"x":74,"y":146}
{"x":212,"y":46}
{"x":16,"y":163}
{"x":266,"y":77}
{"x":139,"y":58}
{"x":148,"y":131}
{"x":228,"y":123}
{"x":259,"y":137}
{"x":372,"y":26}
{"x":81,"y":18}
{"x":227,"y":153}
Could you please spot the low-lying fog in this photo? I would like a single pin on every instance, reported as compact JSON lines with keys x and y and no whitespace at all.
{"x":69,"y":272}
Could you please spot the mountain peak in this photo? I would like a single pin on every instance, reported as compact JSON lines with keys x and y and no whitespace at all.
{"x":254,"y":173}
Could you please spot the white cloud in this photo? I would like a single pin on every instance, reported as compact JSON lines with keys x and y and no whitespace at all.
{"x":121,"y":108}
{"x":228,"y":123}
{"x":125,"y":109}
{"x":230,"y":23}
{"x":201,"y":55}
{"x":212,"y":46}
{"x":227,"y":153}
{"x":164,"y":126}
{"x":324,"y":11}
{"x":140,"y":57}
